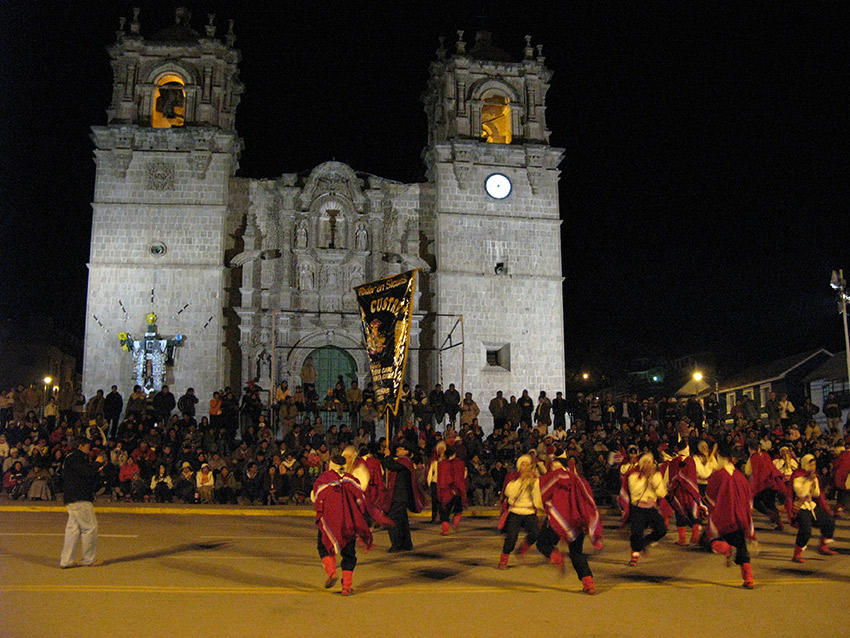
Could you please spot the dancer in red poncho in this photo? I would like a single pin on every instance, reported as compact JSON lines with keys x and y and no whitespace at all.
{"x":730,"y":519}
{"x":451,"y":489}
{"x":340,"y":508}
{"x":683,"y":493}
{"x":568,"y":501}
{"x":841,"y":477}
{"x":766,"y":482}
{"x":807,"y":506}
{"x":375,"y":489}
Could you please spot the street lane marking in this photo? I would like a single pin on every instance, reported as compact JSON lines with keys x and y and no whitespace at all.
{"x":57,"y":534}
{"x":401,"y":589}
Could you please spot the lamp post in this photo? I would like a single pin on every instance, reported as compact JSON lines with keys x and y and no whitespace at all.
{"x":839,"y":284}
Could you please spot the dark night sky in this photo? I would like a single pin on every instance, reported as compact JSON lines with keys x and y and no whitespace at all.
{"x":705,"y":185}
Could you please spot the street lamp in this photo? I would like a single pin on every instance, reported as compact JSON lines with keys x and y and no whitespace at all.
{"x":697,"y":376}
{"x":839,"y":284}
{"x":585,"y":376}
{"x":47,"y":382}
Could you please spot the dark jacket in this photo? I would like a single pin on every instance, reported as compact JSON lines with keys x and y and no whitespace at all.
{"x":80,"y":475}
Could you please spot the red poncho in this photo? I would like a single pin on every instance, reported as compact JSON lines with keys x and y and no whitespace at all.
{"x":375,"y":490}
{"x":840,"y":469}
{"x":683,"y":491}
{"x":764,"y":475}
{"x":339,"y":511}
{"x":451,"y":480}
{"x":730,"y":504}
{"x":569,"y":505}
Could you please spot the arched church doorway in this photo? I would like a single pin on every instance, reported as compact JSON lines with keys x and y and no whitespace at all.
{"x":330,"y":363}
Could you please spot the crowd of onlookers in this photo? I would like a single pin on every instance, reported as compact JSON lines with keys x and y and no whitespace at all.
{"x":247,"y":452}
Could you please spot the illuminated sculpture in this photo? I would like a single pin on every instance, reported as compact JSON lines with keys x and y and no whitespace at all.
{"x":151,"y":355}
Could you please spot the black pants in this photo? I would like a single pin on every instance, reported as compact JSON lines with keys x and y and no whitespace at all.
{"x":820,"y":519}
{"x":548,"y":541}
{"x":513,"y":524}
{"x":348,"y":553}
{"x":642,"y":518}
{"x":454,"y":506}
{"x":400,"y":534}
{"x":765,"y":502}
{"x":435,"y":502}
{"x":684,"y":520}
{"x":738,"y":540}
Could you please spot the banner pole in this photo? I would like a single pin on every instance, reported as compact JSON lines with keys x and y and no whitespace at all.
{"x":462,"y":358}
{"x":388,"y":427}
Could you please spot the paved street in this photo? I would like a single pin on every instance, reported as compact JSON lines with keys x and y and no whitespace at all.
{"x":258,"y":575}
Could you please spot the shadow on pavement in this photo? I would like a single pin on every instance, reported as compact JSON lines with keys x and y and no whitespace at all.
{"x":166,"y":551}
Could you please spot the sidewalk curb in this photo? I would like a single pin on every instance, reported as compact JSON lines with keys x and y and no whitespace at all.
{"x":206,"y":510}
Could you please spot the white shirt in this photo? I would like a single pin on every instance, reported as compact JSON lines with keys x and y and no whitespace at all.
{"x":646,"y":492}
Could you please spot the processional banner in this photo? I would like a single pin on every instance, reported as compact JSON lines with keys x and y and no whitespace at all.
{"x":386,"y":310}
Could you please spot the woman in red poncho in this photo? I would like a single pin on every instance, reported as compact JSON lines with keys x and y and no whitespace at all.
{"x":340,"y":508}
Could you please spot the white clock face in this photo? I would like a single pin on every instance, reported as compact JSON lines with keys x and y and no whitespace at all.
{"x":498,"y":186}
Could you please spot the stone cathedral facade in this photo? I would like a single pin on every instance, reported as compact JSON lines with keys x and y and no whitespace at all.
{"x":256,"y":274}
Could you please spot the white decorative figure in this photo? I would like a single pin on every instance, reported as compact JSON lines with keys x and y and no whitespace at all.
{"x":361,"y":239}
{"x":301,"y":236}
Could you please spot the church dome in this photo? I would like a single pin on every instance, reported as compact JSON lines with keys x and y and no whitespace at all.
{"x":180,"y":31}
{"x":484,"y":49}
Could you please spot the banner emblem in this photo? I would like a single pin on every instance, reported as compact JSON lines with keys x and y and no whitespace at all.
{"x":386,"y":309}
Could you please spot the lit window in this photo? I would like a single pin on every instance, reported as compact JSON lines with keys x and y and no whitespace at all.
{"x":496,"y":119}
{"x":169,"y":102}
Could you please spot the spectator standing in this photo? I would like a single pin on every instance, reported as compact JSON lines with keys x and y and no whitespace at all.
{"x":451,"y":399}
{"x":186,"y":404}
{"x":499,"y":410}
{"x":163,"y":404}
{"x":113,"y":403}
{"x":80,"y":478}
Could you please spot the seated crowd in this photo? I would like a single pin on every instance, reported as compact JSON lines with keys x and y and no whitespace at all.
{"x":158,"y":451}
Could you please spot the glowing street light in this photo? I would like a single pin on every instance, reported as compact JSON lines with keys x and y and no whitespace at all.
{"x":47,"y":382}
{"x":697,"y":376}
{"x":585,"y":376}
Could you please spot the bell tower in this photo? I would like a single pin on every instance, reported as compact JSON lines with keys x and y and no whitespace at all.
{"x":496,"y":217}
{"x":165,"y":160}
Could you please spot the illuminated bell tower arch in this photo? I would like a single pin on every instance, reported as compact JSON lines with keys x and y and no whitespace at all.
{"x":165,"y":160}
{"x":497,"y":217}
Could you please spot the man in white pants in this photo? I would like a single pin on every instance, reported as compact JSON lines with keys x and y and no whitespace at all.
{"x":80,"y":479}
